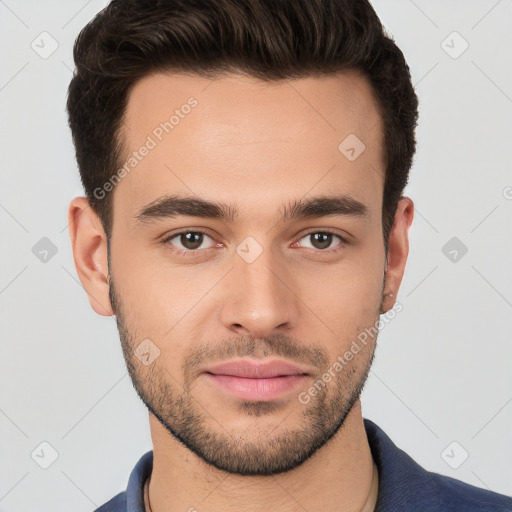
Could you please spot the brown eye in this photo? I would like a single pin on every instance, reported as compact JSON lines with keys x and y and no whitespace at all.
{"x":322,"y":240}
{"x":191,"y":240}
{"x":187,"y":241}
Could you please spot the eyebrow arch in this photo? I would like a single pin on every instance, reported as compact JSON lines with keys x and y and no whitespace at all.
{"x":170,"y":206}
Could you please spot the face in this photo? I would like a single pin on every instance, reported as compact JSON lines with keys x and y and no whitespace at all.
{"x":249,"y":231}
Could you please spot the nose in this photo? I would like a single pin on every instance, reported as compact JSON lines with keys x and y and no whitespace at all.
{"x":259,"y":298}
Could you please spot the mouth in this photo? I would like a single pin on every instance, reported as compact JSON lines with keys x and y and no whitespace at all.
{"x":256,"y":381}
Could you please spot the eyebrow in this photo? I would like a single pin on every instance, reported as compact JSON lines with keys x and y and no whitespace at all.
{"x":170,"y":206}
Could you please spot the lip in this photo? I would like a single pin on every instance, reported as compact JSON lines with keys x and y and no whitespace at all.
{"x":256,"y":381}
{"x":256,"y":370}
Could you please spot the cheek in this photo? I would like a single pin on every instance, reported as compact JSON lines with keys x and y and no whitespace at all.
{"x":164,"y":303}
{"x":150,"y":285}
{"x":350,"y":288}
{"x":346,"y":299}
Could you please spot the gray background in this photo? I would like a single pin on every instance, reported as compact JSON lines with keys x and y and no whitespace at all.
{"x":442,"y":372}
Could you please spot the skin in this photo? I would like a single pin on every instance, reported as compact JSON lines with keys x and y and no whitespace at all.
{"x":257,"y":146}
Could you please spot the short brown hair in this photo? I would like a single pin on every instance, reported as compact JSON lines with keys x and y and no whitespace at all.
{"x":266,"y":39}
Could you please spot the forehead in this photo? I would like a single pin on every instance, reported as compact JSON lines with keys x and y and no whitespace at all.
{"x":237,"y":136}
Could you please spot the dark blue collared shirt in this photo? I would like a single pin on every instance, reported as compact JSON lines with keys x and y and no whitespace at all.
{"x":404,"y":486}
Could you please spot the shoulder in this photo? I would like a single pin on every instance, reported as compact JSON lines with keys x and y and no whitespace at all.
{"x":457,"y":495}
{"x":404,"y":485}
{"x":132,"y":498}
{"x":116,"y":504}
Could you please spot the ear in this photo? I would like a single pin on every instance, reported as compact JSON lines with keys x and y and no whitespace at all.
{"x":398,"y":250}
{"x":89,"y":244}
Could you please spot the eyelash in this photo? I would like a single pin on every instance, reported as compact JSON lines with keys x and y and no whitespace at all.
{"x":181,"y":252}
{"x":195,"y":252}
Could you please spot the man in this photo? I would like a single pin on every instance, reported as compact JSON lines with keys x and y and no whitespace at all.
{"x":244,"y":163}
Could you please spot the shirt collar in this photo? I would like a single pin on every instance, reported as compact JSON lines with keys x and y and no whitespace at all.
{"x":403,"y":483}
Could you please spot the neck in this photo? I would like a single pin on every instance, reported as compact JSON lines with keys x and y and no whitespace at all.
{"x":341,"y":475}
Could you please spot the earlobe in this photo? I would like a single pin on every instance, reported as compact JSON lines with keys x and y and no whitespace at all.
{"x":89,"y":245}
{"x":398,"y":250}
